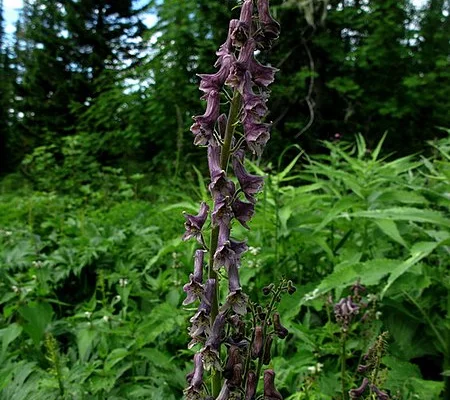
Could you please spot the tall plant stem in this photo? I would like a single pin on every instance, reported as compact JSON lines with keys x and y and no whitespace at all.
{"x":212,"y":274}
{"x":343,"y":366}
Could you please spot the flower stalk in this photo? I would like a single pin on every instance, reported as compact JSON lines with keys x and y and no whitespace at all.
{"x":220,"y":323}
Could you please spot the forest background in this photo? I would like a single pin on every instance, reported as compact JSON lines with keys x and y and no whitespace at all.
{"x":97,"y":164}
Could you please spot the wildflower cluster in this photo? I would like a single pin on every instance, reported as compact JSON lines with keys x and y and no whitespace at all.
{"x":242,"y":82}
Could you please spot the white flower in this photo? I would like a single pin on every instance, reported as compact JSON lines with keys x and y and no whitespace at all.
{"x":371,"y":298}
{"x":254,"y":250}
{"x":106,"y":318}
{"x":15,"y":289}
{"x":88,"y":314}
{"x":315,"y":368}
{"x":123,"y":282}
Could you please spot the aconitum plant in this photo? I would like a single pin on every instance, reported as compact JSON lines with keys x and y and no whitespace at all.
{"x":233,"y":335}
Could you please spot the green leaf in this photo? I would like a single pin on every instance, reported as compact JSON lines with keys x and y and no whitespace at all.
{"x":85,"y":340}
{"x":405,"y":214}
{"x":38,"y":316}
{"x":8,"y":335}
{"x":418,"y":251}
{"x":114,"y":357}
{"x":389,"y":228}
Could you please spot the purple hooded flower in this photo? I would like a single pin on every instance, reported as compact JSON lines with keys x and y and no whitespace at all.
{"x":194,"y":223}
{"x":270,"y":393}
{"x":200,"y":321}
{"x":236,"y":379}
{"x":358,"y":392}
{"x":241,"y":32}
{"x":380,"y":394}
{"x":220,"y":185}
{"x":228,"y":253}
{"x":224,"y":393}
{"x":258,"y":343}
{"x":194,"y":288}
{"x":243,"y":211}
{"x":271,"y":28}
{"x":280,"y":330}
{"x":250,"y":184}
{"x":222,"y":215}
{"x":214,"y":82}
{"x":250,"y":390}
{"x":256,"y":134}
{"x":196,"y":379}
{"x":236,"y":299}
{"x":203,"y":126}
{"x":210,"y":352}
{"x":253,"y":103}
{"x":234,"y":358}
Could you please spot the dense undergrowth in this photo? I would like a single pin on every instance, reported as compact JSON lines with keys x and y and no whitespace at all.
{"x":92,"y":268}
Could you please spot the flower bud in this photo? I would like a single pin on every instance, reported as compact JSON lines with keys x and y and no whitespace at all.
{"x":270,"y":392}
{"x":280,"y":330}
{"x":258,"y":343}
{"x":250,"y":390}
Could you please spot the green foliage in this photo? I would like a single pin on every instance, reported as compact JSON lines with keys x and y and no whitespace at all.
{"x":91,"y":275}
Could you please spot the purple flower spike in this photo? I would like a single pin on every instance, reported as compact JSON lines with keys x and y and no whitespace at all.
{"x":194,"y":288}
{"x":203,"y":126}
{"x":270,"y":27}
{"x":270,"y":393}
{"x":194,"y":223}
{"x":250,"y":184}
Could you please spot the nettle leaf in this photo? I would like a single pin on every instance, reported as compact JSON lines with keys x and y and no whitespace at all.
{"x":8,"y":335}
{"x":369,"y":272}
{"x":405,"y":214}
{"x":38,"y":317}
{"x":389,"y":228}
{"x":418,"y":252}
{"x":85,"y":342}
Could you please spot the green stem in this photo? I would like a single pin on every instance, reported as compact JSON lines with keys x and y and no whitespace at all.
{"x":447,"y":351}
{"x":216,"y":383}
{"x":343,"y":366}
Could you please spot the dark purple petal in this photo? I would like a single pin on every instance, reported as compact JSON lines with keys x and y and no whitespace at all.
{"x":380,"y":394}
{"x":250,"y":390}
{"x":271,"y":28}
{"x":233,"y":279}
{"x":253,"y":103}
{"x":222,"y":125}
{"x":193,"y":289}
{"x":243,"y":211}
{"x":237,"y":301}
{"x":214,"y":82}
{"x":198,"y":265}
{"x":214,"y":338}
{"x":197,"y":378}
{"x":220,"y":185}
{"x":280,"y":330}
{"x":270,"y":392}
{"x":203,"y":126}
{"x":224,"y":393}
{"x":250,"y":184}
{"x":233,"y":359}
{"x":222,"y":215}
{"x":236,"y":379}
{"x":258,"y":342}
{"x":358,"y":392}
{"x":194,"y":223}
{"x":256,"y":134}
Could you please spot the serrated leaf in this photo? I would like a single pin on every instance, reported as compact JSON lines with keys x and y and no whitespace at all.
{"x":389,"y":228}
{"x":405,"y":214}
{"x":418,"y":252}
